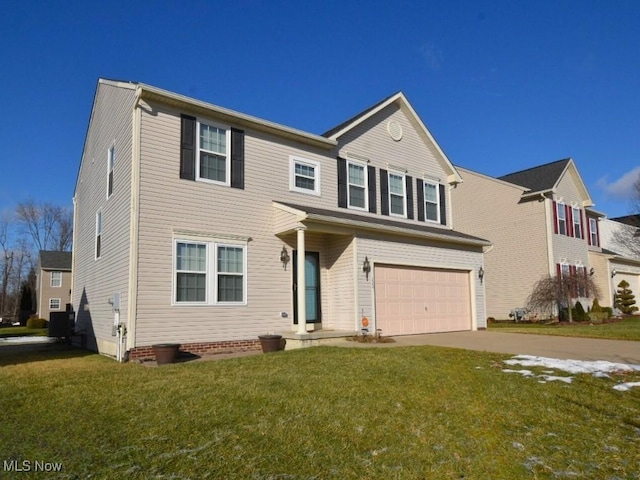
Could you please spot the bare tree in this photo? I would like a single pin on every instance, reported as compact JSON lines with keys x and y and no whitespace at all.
{"x":551,"y":293}
{"x":49,"y":226}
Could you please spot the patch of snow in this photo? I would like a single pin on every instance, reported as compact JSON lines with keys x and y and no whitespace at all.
{"x":623,"y":387}
{"x":524,"y":373}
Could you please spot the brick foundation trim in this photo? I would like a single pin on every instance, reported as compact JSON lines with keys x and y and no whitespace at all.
{"x":204,"y":348}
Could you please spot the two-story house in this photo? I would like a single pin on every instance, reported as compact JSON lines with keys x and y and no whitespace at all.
{"x":53,"y":282}
{"x":540,"y":222}
{"x":202,"y":226}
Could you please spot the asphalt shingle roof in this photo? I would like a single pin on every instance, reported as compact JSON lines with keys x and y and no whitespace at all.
{"x":50,"y":260}
{"x":540,"y":178}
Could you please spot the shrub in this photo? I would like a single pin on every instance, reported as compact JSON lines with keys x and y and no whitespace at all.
{"x":608,"y":311}
{"x":579,"y":315}
{"x":35,"y":322}
{"x":595,"y":307}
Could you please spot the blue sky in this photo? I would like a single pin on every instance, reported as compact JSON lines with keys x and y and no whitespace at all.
{"x":502,"y":85}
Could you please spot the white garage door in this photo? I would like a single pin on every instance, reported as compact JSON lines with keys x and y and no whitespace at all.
{"x":412,"y":300}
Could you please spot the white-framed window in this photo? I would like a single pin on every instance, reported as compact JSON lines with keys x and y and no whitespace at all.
{"x":577,"y":223}
{"x":304,"y":176}
{"x":214,"y":153}
{"x":209,"y":273}
{"x":54,"y":304}
{"x":98,"y":234}
{"x":111,"y":161}
{"x":56,"y":279}
{"x":431,"y":201}
{"x":357,"y":181}
{"x":397,"y":194}
{"x":562,"y":218}
{"x":565,"y":270}
{"x":593,"y":232}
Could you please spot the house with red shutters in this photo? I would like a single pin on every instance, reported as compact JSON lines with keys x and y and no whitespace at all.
{"x":540,"y":221}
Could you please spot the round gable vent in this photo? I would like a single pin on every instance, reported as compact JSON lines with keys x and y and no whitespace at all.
{"x":395,"y":130}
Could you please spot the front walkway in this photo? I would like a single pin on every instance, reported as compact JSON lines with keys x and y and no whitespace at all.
{"x":566,"y":348}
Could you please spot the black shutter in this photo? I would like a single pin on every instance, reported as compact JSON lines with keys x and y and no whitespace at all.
{"x":342,"y":183}
{"x":409,"y":183}
{"x":420,"y":194}
{"x":371,"y":171}
{"x":384,"y":192}
{"x":443,"y":206}
{"x":237,"y":158}
{"x":188,"y":147}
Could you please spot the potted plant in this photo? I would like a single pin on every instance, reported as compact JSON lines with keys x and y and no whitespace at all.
{"x":165,"y":352}
{"x":271,"y":343}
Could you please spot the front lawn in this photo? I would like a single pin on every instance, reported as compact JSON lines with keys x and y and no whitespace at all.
{"x":318,"y":413}
{"x":626,"y":329}
{"x":6,"y":332}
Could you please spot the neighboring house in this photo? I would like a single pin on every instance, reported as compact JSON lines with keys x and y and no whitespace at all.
{"x":190,"y":220}
{"x":618,"y":257}
{"x":540,"y":223}
{"x":53,"y":282}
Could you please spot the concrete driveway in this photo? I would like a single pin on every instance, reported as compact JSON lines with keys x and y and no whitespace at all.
{"x":566,"y":348}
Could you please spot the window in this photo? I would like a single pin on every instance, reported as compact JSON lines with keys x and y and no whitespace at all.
{"x":357,"y":181}
{"x":111,"y":160}
{"x":209,"y":273}
{"x":593,"y":232}
{"x":98,"y":234}
{"x":431,"y":201}
{"x":305,"y":176}
{"x":213,"y":153}
{"x":54,"y":304}
{"x":565,"y":270}
{"x":56,"y":279}
{"x":397,"y":195}
{"x":577,"y":223}
{"x":562,"y":218}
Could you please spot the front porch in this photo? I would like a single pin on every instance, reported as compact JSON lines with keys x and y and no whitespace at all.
{"x":315,"y":338}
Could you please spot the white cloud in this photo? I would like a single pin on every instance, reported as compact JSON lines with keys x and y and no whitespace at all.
{"x":623,"y":187}
{"x":432,"y":55}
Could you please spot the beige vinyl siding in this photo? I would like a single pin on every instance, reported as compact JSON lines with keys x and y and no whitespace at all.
{"x":168,"y":203}
{"x":491,"y":209}
{"x":341,"y":283}
{"x":413,"y":154}
{"x":572,"y":250}
{"x":408,"y":252}
{"x":46,"y":291}
{"x":111,"y":121}
{"x":602,"y":278}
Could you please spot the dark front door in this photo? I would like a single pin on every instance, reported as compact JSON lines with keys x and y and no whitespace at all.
{"x":312,"y":286}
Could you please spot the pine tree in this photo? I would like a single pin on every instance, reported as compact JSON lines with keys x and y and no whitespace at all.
{"x":624,"y":299}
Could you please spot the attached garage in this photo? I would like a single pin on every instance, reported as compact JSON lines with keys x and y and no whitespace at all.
{"x":632,"y":279}
{"x":412,"y":300}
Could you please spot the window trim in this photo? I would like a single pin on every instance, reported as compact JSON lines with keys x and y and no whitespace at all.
{"x":211,"y":271}
{"x":593,"y":232}
{"x":175,"y":272}
{"x":293,"y":160}
{"x":560,"y":208}
{"x":227,"y":154}
{"x":59,"y":304}
{"x":404,"y":193}
{"x":365,"y":173}
{"x":98,"y":236}
{"x":51,"y":283}
{"x":111,"y":161}
{"x":577,"y":222}
{"x":424,"y":190}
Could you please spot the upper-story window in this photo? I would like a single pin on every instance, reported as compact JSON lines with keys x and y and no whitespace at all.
{"x":562,"y":218}
{"x":111,"y":161}
{"x":357,"y":181}
{"x":213,"y":153}
{"x":577,"y":223}
{"x":431,"y":201}
{"x":98,"y":234}
{"x":304,"y":176}
{"x":593,"y":232}
{"x":56,"y":279}
{"x":397,"y":194}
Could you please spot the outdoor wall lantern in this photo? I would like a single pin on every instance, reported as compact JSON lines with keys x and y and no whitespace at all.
{"x":592,"y":271}
{"x":284,"y":257}
{"x":481,"y":274}
{"x":366,"y":267}
{"x":613,"y":273}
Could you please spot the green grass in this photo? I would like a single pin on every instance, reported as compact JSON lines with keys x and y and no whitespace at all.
{"x":626,"y":329}
{"x":6,"y":332}
{"x":319,"y":413}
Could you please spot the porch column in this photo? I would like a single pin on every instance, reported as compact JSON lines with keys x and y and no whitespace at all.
{"x":301,"y":293}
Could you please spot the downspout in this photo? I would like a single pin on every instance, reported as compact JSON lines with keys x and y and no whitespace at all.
{"x":73,"y":249}
{"x":132,"y":291}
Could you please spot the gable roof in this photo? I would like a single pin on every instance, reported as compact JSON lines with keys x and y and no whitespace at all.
{"x":51,"y":260}
{"x":540,"y":178}
{"x":633,"y":220}
{"x":401,"y":101}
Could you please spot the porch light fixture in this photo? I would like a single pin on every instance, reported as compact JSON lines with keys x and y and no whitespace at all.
{"x":284,"y":257}
{"x":592,"y":271}
{"x":366,"y":267}
{"x":613,"y":273}
{"x":481,"y":274}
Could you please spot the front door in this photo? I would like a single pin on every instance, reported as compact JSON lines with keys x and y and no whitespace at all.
{"x":312,"y":286}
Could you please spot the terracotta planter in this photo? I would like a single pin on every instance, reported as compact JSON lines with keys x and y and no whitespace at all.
{"x":165,"y":352}
{"x":270,"y":343}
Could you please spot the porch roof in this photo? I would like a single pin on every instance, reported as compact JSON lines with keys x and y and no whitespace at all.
{"x":347,"y":222}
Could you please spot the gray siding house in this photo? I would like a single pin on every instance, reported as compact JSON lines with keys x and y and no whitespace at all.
{"x":53,"y":282}
{"x":202,"y":226}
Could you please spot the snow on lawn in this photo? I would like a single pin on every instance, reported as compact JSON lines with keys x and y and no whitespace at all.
{"x":599,"y":368}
